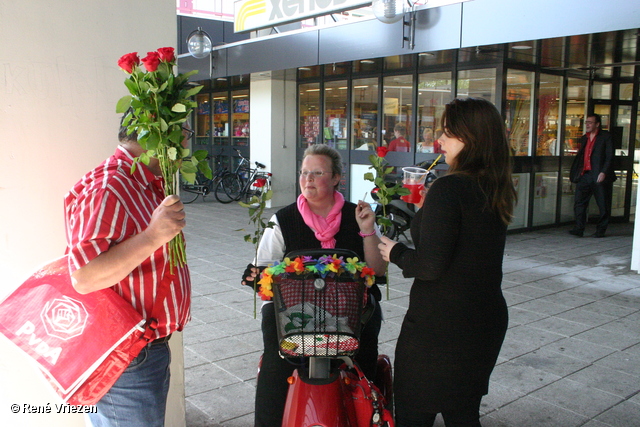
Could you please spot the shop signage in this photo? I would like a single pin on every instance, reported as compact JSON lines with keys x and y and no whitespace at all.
{"x":256,"y":14}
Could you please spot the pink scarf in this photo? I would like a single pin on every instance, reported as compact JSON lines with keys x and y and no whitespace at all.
{"x":325,"y":228}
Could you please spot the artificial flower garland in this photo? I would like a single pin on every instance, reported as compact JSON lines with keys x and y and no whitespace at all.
{"x":332,"y":266}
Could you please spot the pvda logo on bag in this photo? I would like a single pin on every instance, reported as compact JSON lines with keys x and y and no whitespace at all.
{"x":64,"y":318}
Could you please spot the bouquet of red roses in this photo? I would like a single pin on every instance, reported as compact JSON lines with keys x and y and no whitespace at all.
{"x":157,"y":107}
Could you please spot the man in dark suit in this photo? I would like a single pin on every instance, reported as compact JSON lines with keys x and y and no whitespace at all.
{"x":592,"y":172}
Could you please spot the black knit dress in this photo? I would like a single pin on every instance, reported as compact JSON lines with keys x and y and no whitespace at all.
{"x":457,"y":317}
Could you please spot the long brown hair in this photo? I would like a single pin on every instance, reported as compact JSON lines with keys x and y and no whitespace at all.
{"x":486,"y":154}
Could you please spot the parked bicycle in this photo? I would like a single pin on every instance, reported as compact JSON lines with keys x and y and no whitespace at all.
{"x":244,"y":183}
{"x":202,"y":186}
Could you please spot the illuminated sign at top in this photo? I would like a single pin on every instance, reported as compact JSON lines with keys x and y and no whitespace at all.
{"x":256,"y":14}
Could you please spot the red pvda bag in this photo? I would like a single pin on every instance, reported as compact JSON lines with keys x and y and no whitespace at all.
{"x":81,"y":343}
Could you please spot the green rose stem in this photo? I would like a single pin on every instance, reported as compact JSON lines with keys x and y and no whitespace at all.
{"x":384,"y":193}
{"x":177,"y":250}
{"x":256,"y":207}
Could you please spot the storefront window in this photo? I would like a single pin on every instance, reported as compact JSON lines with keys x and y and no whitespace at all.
{"x":523,"y":52}
{"x":518,"y":111}
{"x":220,"y":129}
{"x":426,"y":59}
{"x":552,"y":52}
{"x":575,"y":111}
{"x":617,"y":194}
{"x":601,"y":90}
{"x":309,"y":72}
{"x":220,"y":118}
{"x":629,"y":47}
{"x":202,"y":126}
{"x":623,"y":127}
{"x":434,"y":92}
{"x":579,"y":51}
{"x":544,"y":198}
{"x":397,"y":131}
{"x":337,"y":68}
{"x":487,"y":53}
{"x":399,"y":62}
{"x":364,"y":99}
{"x":221,"y":83}
{"x":626,"y":91}
{"x":367,"y":65}
{"x":309,"y":108}
{"x":335,"y":114}
{"x":548,"y":107}
{"x":602,"y":50}
{"x":605,"y":112}
{"x":567,"y":197}
{"x":240,"y":117}
{"x":478,"y":84}
{"x":521,"y":209}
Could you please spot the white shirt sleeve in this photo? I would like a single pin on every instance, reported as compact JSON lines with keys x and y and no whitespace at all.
{"x":271,"y":246}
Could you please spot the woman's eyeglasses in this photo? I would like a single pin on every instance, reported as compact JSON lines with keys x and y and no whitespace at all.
{"x":313,"y":174}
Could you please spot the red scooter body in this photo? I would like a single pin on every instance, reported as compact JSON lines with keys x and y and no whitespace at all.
{"x":346,"y":399}
{"x":312,"y":402}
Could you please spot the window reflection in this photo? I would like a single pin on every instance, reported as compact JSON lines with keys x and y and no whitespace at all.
{"x":309,"y":108}
{"x":518,"y":111}
{"x":434,"y":91}
{"x":601,"y":90}
{"x":365,"y":114}
{"x":240,"y":118}
{"x":220,"y":118}
{"x":623,"y":127}
{"x":335,"y":114}
{"x":575,"y":111}
{"x":398,"y":127}
{"x":479,"y":83}
{"x":552,"y":52}
{"x":548,"y":108}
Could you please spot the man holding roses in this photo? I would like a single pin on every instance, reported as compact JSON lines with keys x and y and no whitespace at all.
{"x":118,"y":224}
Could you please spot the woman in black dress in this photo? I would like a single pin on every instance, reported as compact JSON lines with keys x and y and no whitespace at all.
{"x":457,"y":317}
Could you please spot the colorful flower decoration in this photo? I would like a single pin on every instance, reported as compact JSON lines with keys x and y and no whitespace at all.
{"x":332,"y":266}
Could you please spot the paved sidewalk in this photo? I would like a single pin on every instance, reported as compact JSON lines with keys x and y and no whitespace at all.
{"x":571,"y":355}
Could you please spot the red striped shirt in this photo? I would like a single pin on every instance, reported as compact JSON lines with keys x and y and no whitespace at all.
{"x":109,"y":205}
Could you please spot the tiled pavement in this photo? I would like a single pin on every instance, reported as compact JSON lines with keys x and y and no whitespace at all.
{"x":571,"y":355}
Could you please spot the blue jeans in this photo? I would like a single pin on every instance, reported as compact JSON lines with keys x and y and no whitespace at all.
{"x":139,"y":397}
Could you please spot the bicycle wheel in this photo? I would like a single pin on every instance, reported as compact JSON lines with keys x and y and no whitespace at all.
{"x":189,"y":192}
{"x":228,"y":188}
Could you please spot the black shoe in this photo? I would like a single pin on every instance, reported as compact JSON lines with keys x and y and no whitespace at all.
{"x":575,"y":232}
{"x":598,"y":234}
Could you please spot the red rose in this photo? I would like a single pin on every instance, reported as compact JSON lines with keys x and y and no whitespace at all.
{"x":167,"y":54}
{"x":151,"y":61}
{"x":129,"y":61}
{"x":381,"y":151}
